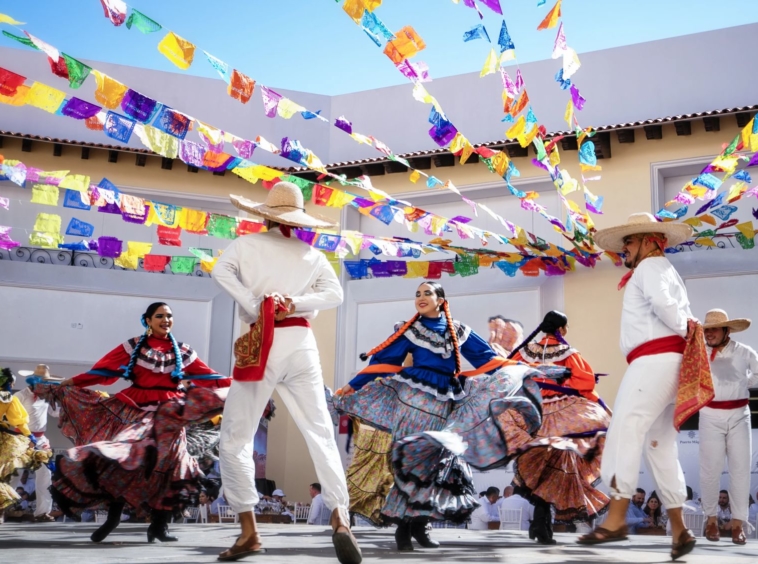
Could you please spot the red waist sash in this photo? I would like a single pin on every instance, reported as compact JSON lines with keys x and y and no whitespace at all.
{"x":38,"y":433}
{"x":251,"y":349}
{"x":674,"y":343}
{"x":729,"y":404}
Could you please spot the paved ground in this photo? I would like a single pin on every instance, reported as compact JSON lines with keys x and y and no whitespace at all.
{"x":68,"y":543}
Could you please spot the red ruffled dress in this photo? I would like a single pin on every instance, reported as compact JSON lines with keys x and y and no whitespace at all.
{"x":132,"y":446}
{"x":565,"y":478}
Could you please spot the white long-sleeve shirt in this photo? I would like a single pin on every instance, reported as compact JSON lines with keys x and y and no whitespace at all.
{"x":655,"y":304}
{"x":484,"y":514}
{"x":515,"y":501}
{"x":37,"y":408}
{"x":734,"y":370}
{"x":263,"y":263}
{"x":314,"y":516}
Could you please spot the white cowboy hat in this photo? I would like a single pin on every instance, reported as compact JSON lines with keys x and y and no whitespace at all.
{"x":718,"y":318}
{"x":42,"y":371}
{"x":285,"y":205}
{"x":612,"y":238}
{"x":278,"y":493}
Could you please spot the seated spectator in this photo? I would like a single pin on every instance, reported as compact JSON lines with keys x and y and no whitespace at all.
{"x":220,"y":500}
{"x":653,"y":510}
{"x":635,"y":515}
{"x":515,"y":501}
{"x":507,"y":492}
{"x":279,"y":498}
{"x":317,"y":505}
{"x":724,"y":514}
{"x":482,"y":494}
{"x":486,"y":513}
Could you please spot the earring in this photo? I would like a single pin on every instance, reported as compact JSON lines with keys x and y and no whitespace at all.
{"x":149,"y":331}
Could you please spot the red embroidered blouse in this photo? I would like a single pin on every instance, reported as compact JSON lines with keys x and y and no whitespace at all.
{"x":151,"y":381}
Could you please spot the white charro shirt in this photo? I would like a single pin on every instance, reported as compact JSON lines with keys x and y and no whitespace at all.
{"x":517,"y":502}
{"x":37,"y":408}
{"x":734,"y":370}
{"x":314,"y":516}
{"x":655,"y":304}
{"x":263,"y":263}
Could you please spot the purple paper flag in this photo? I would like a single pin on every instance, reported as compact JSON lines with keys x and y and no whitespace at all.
{"x":443,"y":135}
{"x":493,"y":5}
{"x":508,"y":85}
{"x":414,"y":71}
{"x":344,"y":124}
{"x":6,"y":242}
{"x":109,"y":247}
{"x":79,"y":109}
{"x":306,"y":236}
{"x":138,"y":219}
{"x":519,"y":80}
{"x":577,"y":98}
{"x":138,"y":106}
{"x":754,"y":159}
{"x":270,"y":101}
{"x":192,"y":153}
{"x":244,"y":148}
{"x":110,"y":208}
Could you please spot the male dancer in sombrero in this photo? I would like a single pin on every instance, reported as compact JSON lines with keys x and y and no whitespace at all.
{"x":279,"y":283}
{"x":667,"y":380}
{"x":725,"y":422}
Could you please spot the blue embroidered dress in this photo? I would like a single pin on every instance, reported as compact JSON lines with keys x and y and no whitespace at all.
{"x":433,"y":481}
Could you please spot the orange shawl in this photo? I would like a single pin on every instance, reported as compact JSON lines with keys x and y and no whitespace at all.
{"x":695,"y":381}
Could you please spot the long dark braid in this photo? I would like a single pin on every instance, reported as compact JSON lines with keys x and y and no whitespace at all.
{"x":551,"y":324}
{"x":454,"y":336}
{"x":178,"y":372}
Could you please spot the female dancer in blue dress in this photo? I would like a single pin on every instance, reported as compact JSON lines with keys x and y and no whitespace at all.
{"x":410,"y":400}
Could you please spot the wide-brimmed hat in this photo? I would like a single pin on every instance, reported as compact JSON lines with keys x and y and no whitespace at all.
{"x":612,"y":238}
{"x":278,"y":493}
{"x":285,"y":205}
{"x":718,"y":318}
{"x":42,"y":371}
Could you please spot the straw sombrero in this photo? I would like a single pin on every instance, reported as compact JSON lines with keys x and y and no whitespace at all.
{"x":42,"y":372}
{"x":718,"y":318}
{"x":284,"y":204}
{"x":612,"y":238}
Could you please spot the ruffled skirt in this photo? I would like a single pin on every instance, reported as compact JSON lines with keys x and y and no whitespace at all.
{"x":566,"y":477}
{"x":16,"y":453}
{"x":123,"y":452}
{"x":369,"y":477}
{"x":431,"y":479}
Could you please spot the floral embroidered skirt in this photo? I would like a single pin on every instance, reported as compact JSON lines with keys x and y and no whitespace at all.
{"x":432,"y":480}
{"x":369,"y":476}
{"x":16,"y":453}
{"x":566,"y":477}
{"x":123,"y":452}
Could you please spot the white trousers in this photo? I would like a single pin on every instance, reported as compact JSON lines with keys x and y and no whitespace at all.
{"x":643,"y":424}
{"x":43,"y":478}
{"x":294,"y":370}
{"x":725,"y":433}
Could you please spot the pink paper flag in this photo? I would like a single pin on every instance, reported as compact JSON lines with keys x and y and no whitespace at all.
{"x":519,"y":80}
{"x":270,"y":101}
{"x":560,"y":45}
{"x":5,"y":203}
{"x":577,"y":98}
{"x":508,"y":84}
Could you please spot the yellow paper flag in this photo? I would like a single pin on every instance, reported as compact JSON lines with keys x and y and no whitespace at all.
{"x":704,"y":241}
{"x":417,"y":269}
{"x":415,"y":175}
{"x":568,"y":115}
{"x":708,"y":218}
{"x":157,"y":141}
{"x":457,"y":143}
{"x":287,"y":108}
{"x":177,"y":50}
{"x":555,"y":156}
{"x":45,"y":194}
{"x":552,"y":18}
{"x":500,"y":162}
{"x":45,"y":98}
{"x":693,"y":221}
{"x":193,"y":220}
{"x":138,"y":249}
{"x":265,"y":172}
{"x":468,"y":150}
{"x":78,"y":182}
{"x":127,"y":261}
{"x":45,"y":240}
{"x":48,"y":223}
{"x":5,"y":19}
{"x":490,"y":65}
{"x":746,"y":229}
{"x":19,"y":98}
{"x":109,"y":91}
{"x":517,"y":129}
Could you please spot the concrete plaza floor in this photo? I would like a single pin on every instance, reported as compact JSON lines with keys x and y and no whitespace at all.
{"x":68,"y":543}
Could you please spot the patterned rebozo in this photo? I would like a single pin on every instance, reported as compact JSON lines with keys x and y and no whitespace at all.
{"x":159,"y":361}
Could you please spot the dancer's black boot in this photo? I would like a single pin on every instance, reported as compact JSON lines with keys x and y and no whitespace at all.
{"x":114,"y":518}
{"x":158,"y":528}
{"x":420,"y":530}
{"x":403,"y":537}
{"x":540,"y":528}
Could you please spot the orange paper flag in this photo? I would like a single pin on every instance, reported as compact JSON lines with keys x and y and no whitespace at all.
{"x":241,"y":87}
{"x":552,"y":18}
{"x":109,"y":91}
{"x":406,"y":44}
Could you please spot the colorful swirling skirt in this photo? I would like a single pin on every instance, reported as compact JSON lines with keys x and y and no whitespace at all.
{"x":16,"y":453}
{"x":566,"y":478}
{"x":369,"y":477}
{"x":127,"y":453}
{"x":432,"y":480}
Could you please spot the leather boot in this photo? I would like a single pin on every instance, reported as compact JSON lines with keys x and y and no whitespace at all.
{"x":113,"y":520}
{"x":403,"y":537}
{"x":158,"y":528}
{"x":549,"y":524}
{"x":537,"y":527}
{"x":345,"y":545}
{"x":420,"y":530}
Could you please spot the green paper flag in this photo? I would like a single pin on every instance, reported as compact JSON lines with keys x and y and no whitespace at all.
{"x":23,"y":40}
{"x":77,"y":71}
{"x":306,"y":186}
{"x":183,"y":265}
{"x":744,"y":242}
{"x":467,"y":265}
{"x":142,"y":22}
{"x":222,"y":226}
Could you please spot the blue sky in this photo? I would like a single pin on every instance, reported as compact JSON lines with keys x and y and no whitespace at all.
{"x":312,"y":45}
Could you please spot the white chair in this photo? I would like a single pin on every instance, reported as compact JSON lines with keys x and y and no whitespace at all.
{"x":226,"y":512}
{"x":694,"y":522}
{"x":510,"y":519}
{"x":301,"y":513}
{"x":191,"y":514}
{"x":101,"y":516}
{"x":202,"y":514}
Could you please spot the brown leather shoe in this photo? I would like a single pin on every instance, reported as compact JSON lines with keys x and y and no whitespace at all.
{"x":345,"y":545}
{"x":712,"y":532}
{"x":738,"y":535}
